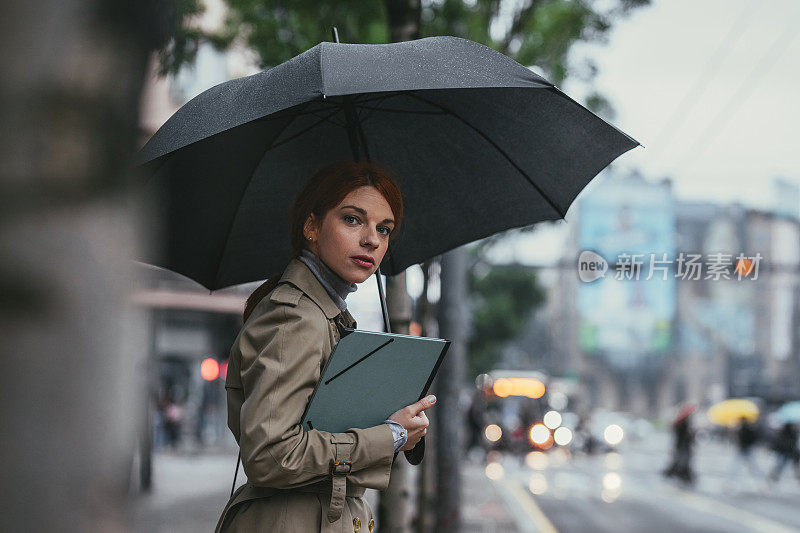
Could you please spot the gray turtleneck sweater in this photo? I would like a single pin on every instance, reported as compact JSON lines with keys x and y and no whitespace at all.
{"x":338,"y":289}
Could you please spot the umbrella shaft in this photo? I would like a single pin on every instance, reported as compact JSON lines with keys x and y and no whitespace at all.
{"x":382,"y":297}
{"x":354,"y":132}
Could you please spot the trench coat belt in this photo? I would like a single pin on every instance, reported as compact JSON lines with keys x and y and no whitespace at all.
{"x":249,"y":491}
{"x":340,"y":469}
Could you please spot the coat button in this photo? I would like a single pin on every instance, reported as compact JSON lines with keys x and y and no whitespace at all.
{"x":356,"y":524}
{"x":371,"y":525}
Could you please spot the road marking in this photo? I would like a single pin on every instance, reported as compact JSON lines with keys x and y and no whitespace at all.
{"x":528,"y":504}
{"x":729,"y":512}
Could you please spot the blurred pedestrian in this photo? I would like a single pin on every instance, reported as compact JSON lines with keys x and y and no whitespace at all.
{"x":173,"y":422}
{"x":746,"y":438}
{"x":585,"y":435}
{"x":785,"y":447}
{"x":475,"y":419}
{"x":684,"y":437}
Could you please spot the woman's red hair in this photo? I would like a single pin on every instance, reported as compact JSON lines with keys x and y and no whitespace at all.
{"x":325,"y":190}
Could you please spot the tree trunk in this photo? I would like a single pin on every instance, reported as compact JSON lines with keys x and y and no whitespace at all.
{"x":72,"y":74}
{"x":453,"y":325}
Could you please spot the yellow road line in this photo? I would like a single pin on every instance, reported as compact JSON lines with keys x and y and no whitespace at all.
{"x":729,"y":512}
{"x":528,"y":504}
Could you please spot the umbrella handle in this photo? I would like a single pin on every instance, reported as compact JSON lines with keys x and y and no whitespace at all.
{"x":382,"y":296}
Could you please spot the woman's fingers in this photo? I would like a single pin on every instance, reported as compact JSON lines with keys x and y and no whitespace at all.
{"x":418,"y":423}
{"x":425,"y":403}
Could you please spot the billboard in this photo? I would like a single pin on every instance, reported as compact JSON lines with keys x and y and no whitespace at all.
{"x":625,"y":315}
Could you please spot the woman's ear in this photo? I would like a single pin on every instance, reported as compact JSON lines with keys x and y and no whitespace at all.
{"x":310,"y":228}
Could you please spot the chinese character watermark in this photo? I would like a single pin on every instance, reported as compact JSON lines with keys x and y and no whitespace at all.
{"x":685,"y":266}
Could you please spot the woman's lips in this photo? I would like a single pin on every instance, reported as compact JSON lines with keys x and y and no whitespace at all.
{"x":362,"y":263}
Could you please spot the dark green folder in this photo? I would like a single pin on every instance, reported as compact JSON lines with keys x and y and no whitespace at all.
{"x":369,"y":376}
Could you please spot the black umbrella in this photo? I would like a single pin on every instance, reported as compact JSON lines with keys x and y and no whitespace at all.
{"x":477,"y":143}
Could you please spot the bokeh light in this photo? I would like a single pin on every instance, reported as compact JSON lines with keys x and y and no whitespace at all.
{"x":558,"y":400}
{"x":494,"y":456}
{"x":562,"y":436}
{"x":540,"y":434}
{"x":493,"y":432}
{"x":612,"y":481}
{"x":613,"y":434}
{"x":609,"y":496}
{"x":552,"y":419}
{"x":612,"y":461}
{"x":209,"y":369}
{"x":559,"y":456}
{"x":529,"y":387}
{"x":494,"y":471}
{"x":537,"y":460}
{"x":538,"y":484}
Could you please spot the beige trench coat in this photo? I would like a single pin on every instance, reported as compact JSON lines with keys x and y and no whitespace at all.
{"x":275,"y":363}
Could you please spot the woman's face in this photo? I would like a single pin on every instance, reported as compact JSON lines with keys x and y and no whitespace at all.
{"x":358,"y":227}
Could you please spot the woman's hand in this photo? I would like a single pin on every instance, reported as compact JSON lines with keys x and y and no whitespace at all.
{"x":413,"y":419}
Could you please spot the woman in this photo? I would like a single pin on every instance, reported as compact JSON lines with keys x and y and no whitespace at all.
{"x":341,"y":224}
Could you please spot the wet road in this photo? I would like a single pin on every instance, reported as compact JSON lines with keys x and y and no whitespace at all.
{"x":624,"y":491}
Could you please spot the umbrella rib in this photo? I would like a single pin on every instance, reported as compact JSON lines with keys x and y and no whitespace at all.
{"x":328,"y":117}
{"x":320,"y":121}
{"x":358,"y":100}
{"x":269,"y":147}
{"x":278,"y":115}
{"x":380,"y":96}
{"x":491,"y":142}
{"x":379,"y":100}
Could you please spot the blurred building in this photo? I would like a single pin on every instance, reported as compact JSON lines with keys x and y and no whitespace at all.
{"x":647,"y":338}
{"x":191,"y":333}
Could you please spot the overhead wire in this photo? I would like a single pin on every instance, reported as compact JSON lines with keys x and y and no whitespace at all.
{"x":748,"y":85}
{"x":698,"y":88}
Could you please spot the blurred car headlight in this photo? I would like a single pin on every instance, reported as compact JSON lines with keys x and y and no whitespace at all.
{"x":552,"y":419}
{"x":562,"y":436}
{"x":613,"y":434}
{"x":540,"y":434}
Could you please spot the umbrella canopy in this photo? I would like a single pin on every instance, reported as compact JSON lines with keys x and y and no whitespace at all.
{"x":684,"y":412}
{"x":789,"y":412}
{"x":477,"y":143}
{"x":730,"y":412}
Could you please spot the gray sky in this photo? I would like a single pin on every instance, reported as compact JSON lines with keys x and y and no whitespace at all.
{"x":710,"y":88}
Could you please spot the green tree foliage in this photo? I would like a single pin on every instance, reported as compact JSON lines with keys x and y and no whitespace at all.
{"x":503,"y":299}
{"x":534,"y":32}
{"x":177,"y":17}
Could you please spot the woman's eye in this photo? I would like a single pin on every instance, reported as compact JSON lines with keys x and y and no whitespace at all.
{"x":348,"y":218}
{"x":388,"y":231}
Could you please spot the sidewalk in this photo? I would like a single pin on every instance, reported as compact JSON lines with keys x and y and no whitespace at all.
{"x":189,"y":492}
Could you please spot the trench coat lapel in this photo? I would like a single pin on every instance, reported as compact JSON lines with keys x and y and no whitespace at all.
{"x":299,"y":275}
